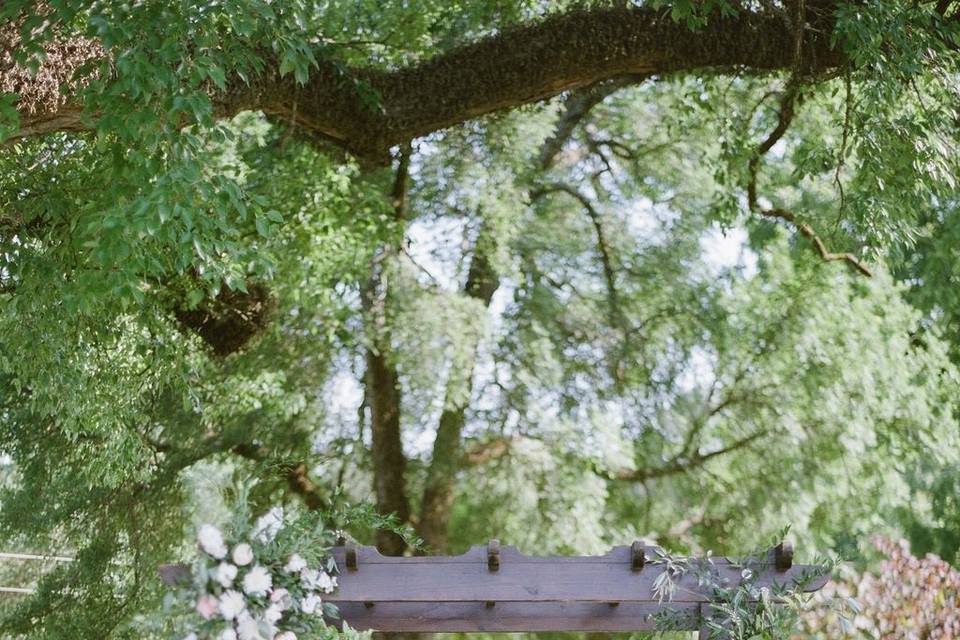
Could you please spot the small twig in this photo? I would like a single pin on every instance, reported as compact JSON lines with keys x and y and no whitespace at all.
{"x":841,"y":159}
{"x":808,"y":232}
{"x":433,"y":279}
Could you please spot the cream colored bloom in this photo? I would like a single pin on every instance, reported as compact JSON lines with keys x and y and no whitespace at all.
{"x":211,"y":541}
{"x":326,"y":583}
{"x":257,"y":582}
{"x":273,"y":613}
{"x":281,"y":597}
{"x":232,"y":604}
{"x":295,"y":563}
{"x":224,"y":574}
{"x":311,"y":604}
{"x":310,"y":579}
{"x":242,"y":554}
{"x":249,"y":628}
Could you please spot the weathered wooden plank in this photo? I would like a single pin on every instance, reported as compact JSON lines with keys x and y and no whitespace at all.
{"x":497,"y":588}
{"x":520,"y":578}
{"x":462,"y":617}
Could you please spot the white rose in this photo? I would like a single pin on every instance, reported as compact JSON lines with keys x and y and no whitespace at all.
{"x":295,"y":563}
{"x":325,"y":583}
{"x":310,"y":578}
{"x":242,"y":554}
{"x":249,"y":628}
{"x":211,"y":541}
{"x":281,"y":597}
{"x":225,"y":573}
{"x":232,"y":604}
{"x":311,"y":604}
{"x":285,"y":635}
{"x":228,"y":634}
{"x":273,"y":614}
{"x":257,"y":581}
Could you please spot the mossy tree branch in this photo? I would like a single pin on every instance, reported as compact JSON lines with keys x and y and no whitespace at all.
{"x":516,"y":66}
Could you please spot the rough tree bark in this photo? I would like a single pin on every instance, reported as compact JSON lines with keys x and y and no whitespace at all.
{"x":515,"y":66}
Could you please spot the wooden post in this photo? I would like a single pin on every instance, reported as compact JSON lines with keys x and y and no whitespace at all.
{"x":702,"y":617}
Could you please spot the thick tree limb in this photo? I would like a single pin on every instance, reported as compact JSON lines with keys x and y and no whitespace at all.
{"x":514,"y":67}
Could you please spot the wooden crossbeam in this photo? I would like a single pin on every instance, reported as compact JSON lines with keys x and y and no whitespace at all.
{"x":497,"y":588}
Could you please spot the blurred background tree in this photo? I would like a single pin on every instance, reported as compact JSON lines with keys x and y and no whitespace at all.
{"x":566,"y":274}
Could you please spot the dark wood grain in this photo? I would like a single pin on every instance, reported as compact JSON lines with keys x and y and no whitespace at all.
{"x":463,"y":617}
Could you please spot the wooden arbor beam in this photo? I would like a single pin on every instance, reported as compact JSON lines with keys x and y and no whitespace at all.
{"x":497,"y":588}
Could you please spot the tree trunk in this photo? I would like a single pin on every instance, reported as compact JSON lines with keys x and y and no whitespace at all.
{"x":482,"y":283}
{"x":383,"y":385}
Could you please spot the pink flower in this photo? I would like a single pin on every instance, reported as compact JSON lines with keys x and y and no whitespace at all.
{"x":207,"y":606}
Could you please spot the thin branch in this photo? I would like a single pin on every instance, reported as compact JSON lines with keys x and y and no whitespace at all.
{"x":297,"y":478}
{"x":808,"y":232}
{"x":603,"y":246}
{"x":784,"y":119}
{"x":683,"y":465}
{"x":842,"y":156}
{"x":575,"y":108}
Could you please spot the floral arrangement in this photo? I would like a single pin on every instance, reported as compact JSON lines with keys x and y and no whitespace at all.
{"x":267,"y":585}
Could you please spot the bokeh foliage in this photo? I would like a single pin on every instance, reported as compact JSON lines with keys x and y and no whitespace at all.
{"x":181,"y":298}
